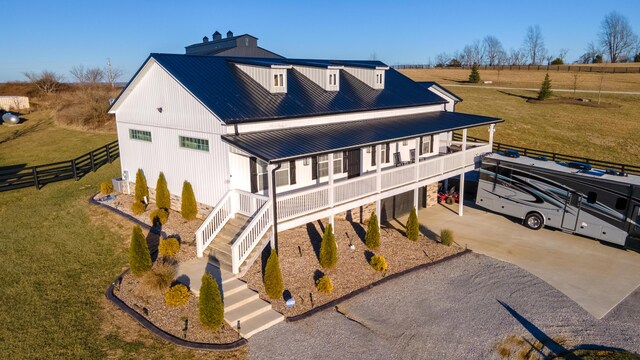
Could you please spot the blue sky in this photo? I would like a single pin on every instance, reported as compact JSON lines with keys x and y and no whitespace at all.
{"x":56,"y":35}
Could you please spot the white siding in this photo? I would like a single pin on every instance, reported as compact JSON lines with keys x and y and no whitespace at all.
{"x":320,"y":76}
{"x":367,"y":76}
{"x":182,"y":115}
{"x":265,"y":76}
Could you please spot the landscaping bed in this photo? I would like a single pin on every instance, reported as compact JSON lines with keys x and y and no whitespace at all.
{"x":298,"y":251}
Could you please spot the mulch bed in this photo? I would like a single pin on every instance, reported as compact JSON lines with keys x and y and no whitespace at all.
{"x":569,"y":101}
{"x":298,"y":253}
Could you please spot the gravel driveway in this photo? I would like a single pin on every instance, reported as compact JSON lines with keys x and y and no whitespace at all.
{"x":452,"y":310}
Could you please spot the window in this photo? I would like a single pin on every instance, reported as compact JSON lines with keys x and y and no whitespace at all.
{"x":246,"y":41}
{"x":383,"y":153}
{"x":278,"y":80}
{"x":621,"y":204}
{"x":592,"y":197}
{"x":281,"y":79}
{"x":194,"y":143}
{"x":262,"y":175}
{"x":337,"y":163}
{"x":140,"y":135}
{"x":282,"y":174}
{"x":323,"y":165}
{"x":369,"y":149}
{"x":333,"y":79}
{"x":275,"y":80}
{"x":426,"y":146}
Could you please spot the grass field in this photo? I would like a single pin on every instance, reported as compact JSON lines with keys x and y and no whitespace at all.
{"x":530,"y":79}
{"x":38,"y":141}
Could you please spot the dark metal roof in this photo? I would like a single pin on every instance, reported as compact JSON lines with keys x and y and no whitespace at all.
{"x":428,"y":84}
{"x":277,"y":145}
{"x":236,"y":98}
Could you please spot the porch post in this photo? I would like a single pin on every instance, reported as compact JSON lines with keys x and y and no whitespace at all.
{"x":417,"y":169}
{"x":464,"y":166}
{"x":492,"y":129}
{"x":271,"y":191}
{"x":331,"y":195}
{"x":378,"y":181}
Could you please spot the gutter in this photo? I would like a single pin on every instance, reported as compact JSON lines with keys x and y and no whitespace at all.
{"x":275,"y":205}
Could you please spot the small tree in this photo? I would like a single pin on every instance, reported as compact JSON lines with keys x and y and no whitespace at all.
{"x":474,"y":77}
{"x":163,"y":197}
{"x":557,"y":61}
{"x":273,"y":277}
{"x":210,"y":304}
{"x":636,"y":58}
{"x":413,"y":226}
{"x":47,"y":81}
{"x":372,"y":237}
{"x":328,"y":249}
{"x":545,"y":89}
{"x":142,"y":190}
{"x":139,"y":256}
{"x":189,"y":207}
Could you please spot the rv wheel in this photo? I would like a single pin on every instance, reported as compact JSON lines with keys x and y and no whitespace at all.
{"x":533,"y":221}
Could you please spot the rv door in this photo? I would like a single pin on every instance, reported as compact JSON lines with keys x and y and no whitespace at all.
{"x":572,"y":207}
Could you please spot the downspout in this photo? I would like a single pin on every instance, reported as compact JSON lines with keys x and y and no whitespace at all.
{"x":275,"y":206}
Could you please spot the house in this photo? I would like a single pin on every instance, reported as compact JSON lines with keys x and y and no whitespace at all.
{"x":276,"y":143}
{"x":243,"y":45}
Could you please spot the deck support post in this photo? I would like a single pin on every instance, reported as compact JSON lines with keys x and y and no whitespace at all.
{"x":492,"y":129}
{"x":272,"y":190}
{"x":378,"y":182}
{"x":331,"y":192}
{"x":416,"y":165}
{"x":464,"y":165}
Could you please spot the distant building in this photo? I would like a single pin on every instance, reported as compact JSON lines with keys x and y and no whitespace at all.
{"x":243,"y":46}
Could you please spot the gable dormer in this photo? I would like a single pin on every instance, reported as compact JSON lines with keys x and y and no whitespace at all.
{"x":327,"y":77}
{"x":372,"y":76}
{"x":272,"y":77}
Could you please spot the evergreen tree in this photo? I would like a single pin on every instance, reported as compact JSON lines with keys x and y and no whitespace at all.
{"x":372,"y":237}
{"x":210,"y":304}
{"x":189,"y":207}
{"x":413,"y":226}
{"x":273,"y":277}
{"x":163,"y":197}
{"x":545,"y":89}
{"x":142,"y":189}
{"x":139,"y":256}
{"x":328,"y":249}
{"x":474,"y":77}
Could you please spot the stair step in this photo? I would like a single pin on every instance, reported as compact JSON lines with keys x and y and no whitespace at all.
{"x":238,"y":299}
{"x":258,"y":323}
{"x":221,"y":256}
{"x":225,"y":270}
{"x":246,"y":311}
{"x":233,"y":286}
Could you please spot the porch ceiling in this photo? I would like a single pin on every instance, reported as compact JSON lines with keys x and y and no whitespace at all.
{"x":287,"y":144}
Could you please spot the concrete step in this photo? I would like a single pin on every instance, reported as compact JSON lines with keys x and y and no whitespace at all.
{"x":258,"y":323}
{"x":238,"y":299}
{"x":225,"y":270}
{"x":233,"y":286}
{"x":246,"y":311}
{"x":221,"y":256}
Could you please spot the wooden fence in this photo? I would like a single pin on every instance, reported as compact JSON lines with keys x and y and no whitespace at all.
{"x":16,"y":177}
{"x":600,"y":164}
{"x":576,"y":67}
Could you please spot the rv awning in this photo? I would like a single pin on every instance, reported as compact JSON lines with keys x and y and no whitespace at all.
{"x":287,"y":144}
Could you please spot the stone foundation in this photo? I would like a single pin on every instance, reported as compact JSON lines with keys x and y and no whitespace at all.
{"x":432,"y":194}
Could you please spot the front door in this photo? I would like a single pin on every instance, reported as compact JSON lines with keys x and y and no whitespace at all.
{"x":353,"y":163}
{"x":571,"y":211}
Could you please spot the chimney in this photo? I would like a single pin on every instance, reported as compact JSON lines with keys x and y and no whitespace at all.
{"x":205,"y":39}
{"x":229,"y":34}
{"x":217,"y":36}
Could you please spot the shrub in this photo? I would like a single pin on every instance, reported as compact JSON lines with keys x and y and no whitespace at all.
{"x":474,"y":76}
{"x":446,"y":237}
{"x":158,"y":280}
{"x":273,"y":277}
{"x":557,"y":61}
{"x":163,"y":197}
{"x":177,"y":295}
{"x":168,"y":247}
{"x":636,"y":58}
{"x":189,"y":207}
{"x":328,"y":249}
{"x":545,"y":90}
{"x":378,"y":263}
{"x":210,"y":304}
{"x":413,"y":226}
{"x":324,"y":285}
{"x":138,"y":208}
{"x":372,"y":237}
{"x":106,"y":187}
{"x":142,"y":190}
{"x":159,"y":216}
{"x":139,"y":256}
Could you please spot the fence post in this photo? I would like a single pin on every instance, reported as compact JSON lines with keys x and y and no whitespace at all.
{"x":108,"y":153}
{"x":93,"y":164}
{"x":75,"y":169}
{"x":554,"y":157}
{"x":35,"y":178}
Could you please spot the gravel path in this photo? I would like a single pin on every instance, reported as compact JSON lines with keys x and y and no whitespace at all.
{"x":451,"y":310}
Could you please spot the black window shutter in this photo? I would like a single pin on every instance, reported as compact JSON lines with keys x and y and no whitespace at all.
{"x":386,"y":154}
{"x":292,"y":172}
{"x":253,"y":169}
{"x":345,"y":156}
{"x":373,"y":155}
{"x":420,"y":152}
{"x":314,"y":168}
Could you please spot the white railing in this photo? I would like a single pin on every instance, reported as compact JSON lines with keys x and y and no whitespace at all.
{"x":431,"y":167}
{"x":302,"y":202}
{"x":354,"y":188}
{"x":249,"y":203}
{"x":398,"y":176}
{"x":212,"y":225}
{"x":250,"y":237}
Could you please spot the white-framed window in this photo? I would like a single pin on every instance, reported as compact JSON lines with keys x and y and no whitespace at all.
{"x":323,"y":165}
{"x":282,"y":174}
{"x":140,"y":135}
{"x":333,"y":79}
{"x":337,"y":163}
{"x":427,"y":143}
{"x":278,"y":80}
{"x":275,"y":80}
{"x":383,"y":153}
{"x":262,"y":175}
{"x":194,"y":143}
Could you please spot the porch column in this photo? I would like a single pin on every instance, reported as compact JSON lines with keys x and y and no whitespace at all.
{"x":270,"y":185}
{"x":464,"y":166}
{"x":492,"y":129}
{"x":331,"y":190}
{"x":378,"y":181}
{"x":416,"y":165}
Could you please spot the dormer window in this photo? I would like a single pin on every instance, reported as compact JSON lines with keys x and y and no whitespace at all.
{"x":278,"y":80}
{"x":332,"y":79}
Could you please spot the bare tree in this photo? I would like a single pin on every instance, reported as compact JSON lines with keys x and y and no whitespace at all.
{"x":616,"y":35}
{"x":46,"y":81}
{"x":516,"y":57}
{"x":472,"y":54}
{"x":534,"y":45}
{"x":112,"y":74}
{"x":442,"y":59}
{"x":493,"y":50}
{"x":590,"y":54}
{"x":94,"y":75}
{"x":563,"y":54}
{"x":78,"y":73}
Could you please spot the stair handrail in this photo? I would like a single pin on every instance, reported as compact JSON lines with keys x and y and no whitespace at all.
{"x":213,"y":223}
{"x":250,"y":237}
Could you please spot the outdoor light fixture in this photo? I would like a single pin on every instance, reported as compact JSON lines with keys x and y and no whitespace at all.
{"x":160,"y":109}
{"x":305,"y":161}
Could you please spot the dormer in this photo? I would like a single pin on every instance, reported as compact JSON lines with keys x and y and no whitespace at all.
{"x":372,"y":76}
{"x":272,"y":77}
{"x":327,"y":77}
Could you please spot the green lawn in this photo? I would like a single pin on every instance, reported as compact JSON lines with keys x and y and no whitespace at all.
{"x":38,"y":141}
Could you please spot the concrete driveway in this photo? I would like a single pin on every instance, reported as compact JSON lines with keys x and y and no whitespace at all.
{"x":596,"y":276}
